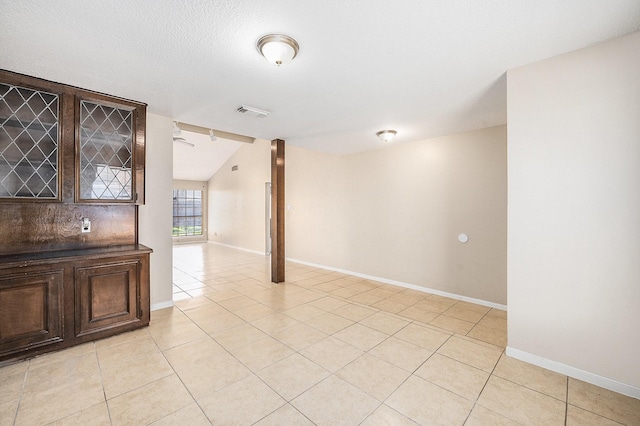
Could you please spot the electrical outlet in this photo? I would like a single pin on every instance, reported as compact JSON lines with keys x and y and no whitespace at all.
{"x":86,"y":225}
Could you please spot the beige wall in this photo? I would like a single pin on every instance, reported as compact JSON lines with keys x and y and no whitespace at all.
{"x":396,"y":213}
{"x":202,"y":186}
{"x":155,"y":217}
{"x":315,"y":222}
{"x":393,"y":214}
{"x":574,"y":213}
{"x":237,"y":198}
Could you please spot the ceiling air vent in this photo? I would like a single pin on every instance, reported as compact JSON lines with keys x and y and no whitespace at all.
{"x":246,"y":109}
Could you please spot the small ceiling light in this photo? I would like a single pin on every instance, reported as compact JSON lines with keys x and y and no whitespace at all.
{"x":386,"y":135}
{"x":278,"y":48}
{"x":176,"y":129}
{"x":212,"y":136}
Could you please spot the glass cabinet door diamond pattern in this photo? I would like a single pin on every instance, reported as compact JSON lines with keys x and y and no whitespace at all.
{"x":29,"y":134}
{"x":106,"y":156}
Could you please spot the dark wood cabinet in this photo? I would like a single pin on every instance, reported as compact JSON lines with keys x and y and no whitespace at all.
{"x":107,"y":295}
{"x":67,"y":144}
{"x":69,"y":156}
{"x":57,"y":299}
{"x":109,"y":164}
{"x":34,"y":296}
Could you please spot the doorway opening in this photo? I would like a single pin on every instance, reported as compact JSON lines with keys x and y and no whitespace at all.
{"x":267,"y":215}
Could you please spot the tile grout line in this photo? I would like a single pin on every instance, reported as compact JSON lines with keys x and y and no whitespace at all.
{"x":483,"y":388}
{"x":411,"y":375}
{"x":369,"y":306}
{"x":243,"y":364}
{"x":178,"y":376}
{"x":529,"y":388}
{"x":104,"y":392}
{"x":22,"y":389}
{"x":566,"y":405}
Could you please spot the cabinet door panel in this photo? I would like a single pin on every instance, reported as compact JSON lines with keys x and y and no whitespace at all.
{"x":30,"y":310}
{"x":29,"y":135}
{"x":106,"y":135}
{"x":106,"y":296}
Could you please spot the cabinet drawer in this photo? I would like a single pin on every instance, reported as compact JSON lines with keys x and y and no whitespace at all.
{"x":106,"y":296}
{"x":30,"y":310}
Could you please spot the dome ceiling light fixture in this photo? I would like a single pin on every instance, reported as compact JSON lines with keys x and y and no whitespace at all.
{"x":386,"y":135}
{"x":278,"y":48}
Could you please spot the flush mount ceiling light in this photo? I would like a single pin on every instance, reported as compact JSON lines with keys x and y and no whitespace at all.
{"x":386,"y":135}
{"x":278,"y":48}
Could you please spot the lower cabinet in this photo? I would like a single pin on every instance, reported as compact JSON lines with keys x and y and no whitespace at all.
{"x":54,"y":300}
{"x":106,"y":296}
{"x":31,"y":309}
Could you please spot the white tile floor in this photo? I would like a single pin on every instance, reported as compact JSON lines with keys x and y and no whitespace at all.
{"x":323,"y":348}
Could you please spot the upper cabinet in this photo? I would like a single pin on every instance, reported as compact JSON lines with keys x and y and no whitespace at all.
{"x":107,"y":157}
{"x":106,"y":152}
{"x":63,"y":144}
{"x":29,"y":143}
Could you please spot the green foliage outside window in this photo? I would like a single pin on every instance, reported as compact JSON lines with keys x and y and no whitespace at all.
{"x":187,"y":212}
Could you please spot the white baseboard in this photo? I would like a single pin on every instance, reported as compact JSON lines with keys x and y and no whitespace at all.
{"x":238,"y":248}
{"x":162,"y":305}
{"x":576,"y":373}
{"x":406,"y":285}
{"x":380,"y":279}
{"x":185,"y":240}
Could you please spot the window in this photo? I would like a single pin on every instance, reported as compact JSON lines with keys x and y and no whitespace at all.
{"x":187,"y":212}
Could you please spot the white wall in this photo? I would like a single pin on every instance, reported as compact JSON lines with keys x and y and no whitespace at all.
{"x":197,"y":185}
{"x":574,"y":213}
{"x":396,"y":213}
{"x":155,"y":217}
{"x":237,"y":198}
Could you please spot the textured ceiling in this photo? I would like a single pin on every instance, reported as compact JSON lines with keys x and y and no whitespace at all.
{"x":423,"y":67}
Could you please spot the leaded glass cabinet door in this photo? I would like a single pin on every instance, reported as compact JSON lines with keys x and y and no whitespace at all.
{"x":29,"y":143}
{"x":106,"y":166}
